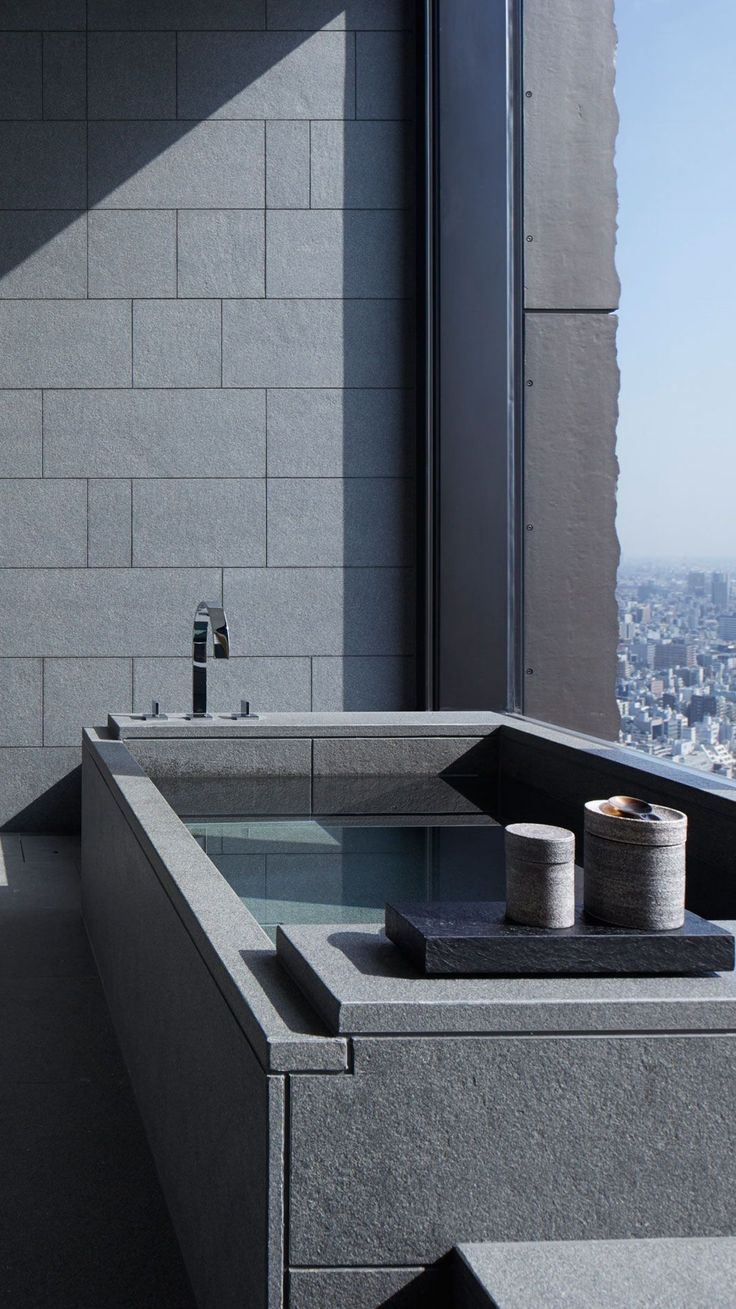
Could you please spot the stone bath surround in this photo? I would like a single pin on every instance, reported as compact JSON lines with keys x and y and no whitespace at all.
{"x":327,"y":1125}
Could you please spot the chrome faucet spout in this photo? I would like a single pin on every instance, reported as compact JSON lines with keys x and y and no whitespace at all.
{"x":207,"y":615}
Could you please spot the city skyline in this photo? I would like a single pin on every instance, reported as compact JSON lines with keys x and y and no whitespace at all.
{"x":676,"y":680}
{"x":681,"y":559}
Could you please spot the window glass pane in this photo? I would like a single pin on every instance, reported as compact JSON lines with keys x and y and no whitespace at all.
{"x":676,"y":166}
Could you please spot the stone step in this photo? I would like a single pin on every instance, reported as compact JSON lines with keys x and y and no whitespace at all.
{"x":661,"y":1273}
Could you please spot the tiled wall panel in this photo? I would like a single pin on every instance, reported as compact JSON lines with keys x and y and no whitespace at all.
{"x":20,"y":434}
{"x":38,"y":14}
{"x":141,"y":433}
{"x":74,"y":612}
{"x":44,"y":524}
{"x":266,"y":75}
{"x":186,"y":15}
{"x":44,"y":255}
{"x":109,"y":522}
{"x":165,"y":165}
{"x":205,"y":362}
{"x":314,"y":342}
{"x":43,"y":165}
{"x":64,"y":75}
{"x":385,"y":15}
{"x":62,"y":343}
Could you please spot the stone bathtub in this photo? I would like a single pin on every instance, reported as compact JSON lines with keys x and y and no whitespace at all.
{"x":326,"y":1124}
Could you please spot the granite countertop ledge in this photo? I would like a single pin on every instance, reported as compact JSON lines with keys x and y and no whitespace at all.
{"x":360,"y":984}
{"x":425,"y":723}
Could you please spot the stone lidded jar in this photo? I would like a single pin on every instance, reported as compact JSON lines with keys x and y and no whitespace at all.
{"x":635,"y":869}
{"x":540,"y":875}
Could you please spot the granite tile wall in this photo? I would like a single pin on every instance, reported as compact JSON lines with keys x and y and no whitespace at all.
{"x":205,"y":363}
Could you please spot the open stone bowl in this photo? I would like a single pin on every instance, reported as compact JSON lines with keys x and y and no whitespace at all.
{"x":635,"y":869}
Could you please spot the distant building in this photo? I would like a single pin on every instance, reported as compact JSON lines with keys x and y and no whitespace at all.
{"x":638,"y":653}
{"x":691,"y":676}
{"x":719,"y":589}
{"x":696,"y":583}
{"x":727,"y":627}
{"x":706,"y":733}
{"x":674,"y":654}
{"x":700,"y":707}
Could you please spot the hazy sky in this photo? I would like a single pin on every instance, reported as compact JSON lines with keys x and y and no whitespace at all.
{"x":676,"y":162}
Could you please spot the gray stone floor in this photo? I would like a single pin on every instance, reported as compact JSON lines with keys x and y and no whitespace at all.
{"x":82,"y":1219}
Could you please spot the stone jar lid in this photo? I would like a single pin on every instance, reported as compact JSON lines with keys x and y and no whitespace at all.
{"x":538,"y":843}
{"x":670,"y":830}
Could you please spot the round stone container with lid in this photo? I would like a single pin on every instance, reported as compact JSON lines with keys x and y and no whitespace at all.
{"x":540,"y":875}
{"x":635,"y":868}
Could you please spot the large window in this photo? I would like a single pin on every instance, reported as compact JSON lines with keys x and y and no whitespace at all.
{"x":676,"y":167}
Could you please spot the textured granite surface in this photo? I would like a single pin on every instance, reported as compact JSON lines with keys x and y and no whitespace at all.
{"x":460,"y":939}
{"x":511,"y":1138}
{"x":684,"y":1273}
{"x":359,"y":982}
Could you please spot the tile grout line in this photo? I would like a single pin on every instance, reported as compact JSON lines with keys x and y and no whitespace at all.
{"x":200,"y":122}
{"x":86,"y":118}
{"x":265,"y":209}
{"x":298,"y":655}
{"x":266,"y":478}
{"x":383,"y":298}
{"x":265,"y":427}
{"x":86,"y":129}
{"x":79,"y":210}
{"x":212,"y":477}
{"x":198,"y":568}
{"x":197,"y":31}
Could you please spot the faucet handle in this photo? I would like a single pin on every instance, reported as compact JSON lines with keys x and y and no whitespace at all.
{"x":244,"y":711}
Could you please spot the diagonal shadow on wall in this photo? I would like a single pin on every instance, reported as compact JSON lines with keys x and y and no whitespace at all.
{"x":148,"y":118}
{"x":53,"y":171}
{"x":174,"y":120}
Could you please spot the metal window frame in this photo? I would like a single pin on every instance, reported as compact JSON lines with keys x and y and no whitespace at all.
{"x":470,"y":351}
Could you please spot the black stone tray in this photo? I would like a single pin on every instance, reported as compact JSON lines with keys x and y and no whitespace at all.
{"x":456,"y":939}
